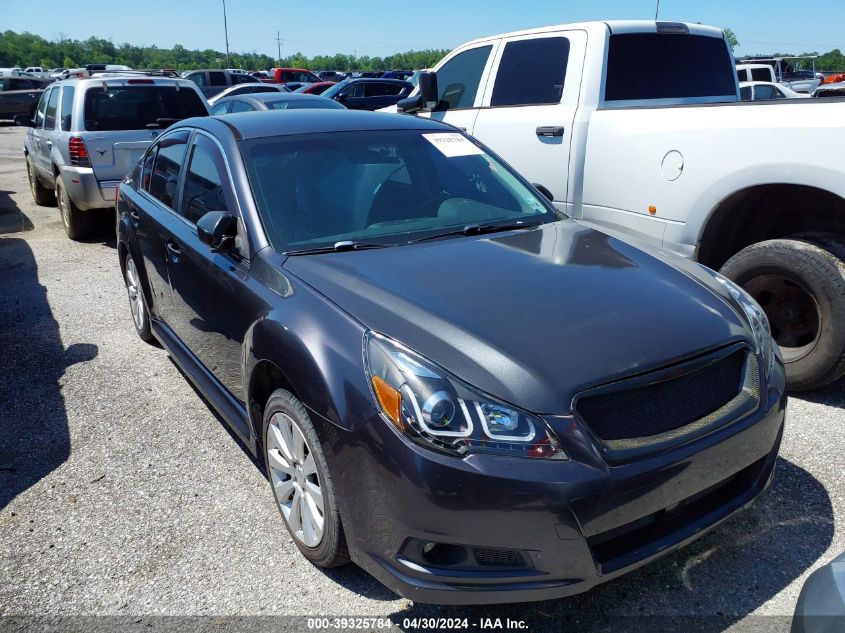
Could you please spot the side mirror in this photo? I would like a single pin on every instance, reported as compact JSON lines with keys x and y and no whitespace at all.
{"x":342,"y":97}
{"x":24,"y":120}
{"x":425,"y":99}
{"x":217,"y":229}
{"x":546,"y":193}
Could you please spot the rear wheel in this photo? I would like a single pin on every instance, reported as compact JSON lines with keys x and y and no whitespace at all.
{"x":299,"y":477}
{"x":137,"y":303}
{"x":801,"y":287}
{"x":77,"y":223}
{"x":42,"y":196}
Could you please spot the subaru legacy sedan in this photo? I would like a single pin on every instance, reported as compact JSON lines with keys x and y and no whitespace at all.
{"x":450,"y":383}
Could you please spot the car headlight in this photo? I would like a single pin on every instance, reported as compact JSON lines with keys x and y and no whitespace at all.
{"x":757,"y":320}
{"x":439,"y":411}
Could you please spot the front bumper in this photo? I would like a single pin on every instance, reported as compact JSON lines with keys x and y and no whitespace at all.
{"x":86,"y":191}
{"x":573,"y":524}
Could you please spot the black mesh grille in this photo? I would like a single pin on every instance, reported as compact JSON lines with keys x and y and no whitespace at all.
{"x":498,"y":557}
{"x":656,"y":408}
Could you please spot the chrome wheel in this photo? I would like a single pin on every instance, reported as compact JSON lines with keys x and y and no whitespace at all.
{"x":33,"y":181}
{"x":64,"y":204}
{"x":133,"y":288}
{"x":293,"y":476}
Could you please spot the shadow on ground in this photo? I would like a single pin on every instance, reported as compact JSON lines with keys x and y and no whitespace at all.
{"x":12,"y":219}
{"x":34,"y":437}
{"x":706,"y":587}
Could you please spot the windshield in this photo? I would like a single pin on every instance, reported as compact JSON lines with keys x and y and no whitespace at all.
{"x":135,"y":107}
{"x":384,"y":187}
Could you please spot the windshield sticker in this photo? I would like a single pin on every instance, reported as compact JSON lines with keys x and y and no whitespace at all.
{"x":452,"y":144}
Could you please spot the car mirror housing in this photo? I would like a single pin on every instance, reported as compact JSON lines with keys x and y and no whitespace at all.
{"x":546,"y":193}
{"x":217,"y":229}
{"x":425,"y":99}
{"x":24,"y":120}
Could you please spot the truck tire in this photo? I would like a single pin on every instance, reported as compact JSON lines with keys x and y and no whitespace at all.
{"x":77,"y":223}
{"x":801,"y":287}
{"x":43,"y":197}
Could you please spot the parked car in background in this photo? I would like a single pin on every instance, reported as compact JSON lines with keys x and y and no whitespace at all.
{"x":821,"y":603}
{"x":20,"y":95}
{"x":370,"y":74}
{"x":249,"y":88}
{"x":56,"y":73}
{"x":325,"y":280}
{"x":315,"y":89}
{"x":368,"y":94}
{"x":300,"y":75}
{"x":836,"y":89}
{"x":262,"y":75}
{"x":331,"y":75}
{"x":764,"y":90}
{"x":778,"y":71}
{"x":38,"y":71}
{"x":293,"y":86}
{"x":756,"y":190}
{"x":414,"y":79}
{"x":397,"y":74}
{"x":212,"y":82}
{"x":273,"y":101}
{"x":88,"y":133}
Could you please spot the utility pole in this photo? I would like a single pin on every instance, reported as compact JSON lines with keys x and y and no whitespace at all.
{"x":279,"y":43}
{"x":226,"y":31}
{"x":657,"y":9}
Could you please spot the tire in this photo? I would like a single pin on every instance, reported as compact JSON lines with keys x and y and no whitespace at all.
{"x":137,"y":302}
{"x":43,"y":197}
{"x":285,"y":410}
{"x":801,"y":287}
{"x":77,"y":223}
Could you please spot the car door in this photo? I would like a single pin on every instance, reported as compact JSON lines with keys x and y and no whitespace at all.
{"x":353,"y":96}
{"x":205,"y":284}
{"x":381,"y":94}
{"x":154,"y":217}
{"x":460,"y":85}
{"x":530,"y":103}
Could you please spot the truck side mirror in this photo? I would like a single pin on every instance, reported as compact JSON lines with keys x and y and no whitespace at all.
{"x":425,"y":99}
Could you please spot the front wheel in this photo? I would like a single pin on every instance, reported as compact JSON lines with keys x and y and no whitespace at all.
{"x":299,"y":477}
{"x":801,"y":287}
{"x":43,"y":197}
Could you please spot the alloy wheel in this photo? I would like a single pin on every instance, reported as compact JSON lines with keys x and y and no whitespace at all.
{"x":294,"y":478}
{"x":64,"y":205}
{"x":133,"y":288}
{"x":32,"y":179}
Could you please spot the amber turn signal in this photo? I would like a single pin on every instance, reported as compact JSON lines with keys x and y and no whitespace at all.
{"x":389,"y":399}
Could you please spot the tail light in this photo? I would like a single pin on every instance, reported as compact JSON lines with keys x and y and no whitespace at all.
{"x":78,"y":152}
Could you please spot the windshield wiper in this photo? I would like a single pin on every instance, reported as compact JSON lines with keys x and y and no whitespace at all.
{"x":479,"y":229}
{"x":337,"y":247}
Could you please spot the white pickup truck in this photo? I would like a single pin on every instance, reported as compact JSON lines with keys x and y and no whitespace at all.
{"x":637,"y":127}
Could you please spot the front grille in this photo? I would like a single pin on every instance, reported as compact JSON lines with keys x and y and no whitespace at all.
{"x":662,"y":405}
{"x":498,"y":557}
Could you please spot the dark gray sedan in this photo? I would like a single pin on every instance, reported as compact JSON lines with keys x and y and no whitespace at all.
{"x":273,"y":101}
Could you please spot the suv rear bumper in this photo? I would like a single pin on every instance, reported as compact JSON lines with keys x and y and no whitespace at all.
{"x":85,"y":191}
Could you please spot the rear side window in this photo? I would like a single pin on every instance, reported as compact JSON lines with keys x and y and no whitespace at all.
{"x":136,"y":107}
{"x":531,"y":72}
{"x":644,"y":66}
{"x":459,"y":78}
{"x":380,"y":89}
{"x":761,"y":74}
{"x":164,"y":181}
{"x":217,"y":78}
{"x":67,"y":107}
{"x":204,"y":188}
{"x":50,"y":113}
{"x":197,"y":78}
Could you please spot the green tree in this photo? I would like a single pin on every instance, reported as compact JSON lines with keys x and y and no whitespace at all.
{"x":733,"y":42}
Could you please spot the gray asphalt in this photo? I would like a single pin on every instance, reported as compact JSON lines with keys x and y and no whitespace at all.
{"x":122,"y":494}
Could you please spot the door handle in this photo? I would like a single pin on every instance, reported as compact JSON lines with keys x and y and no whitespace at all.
{"x":135,"y":217}
{"x":174,"y":252}
{"x":550,"y":130}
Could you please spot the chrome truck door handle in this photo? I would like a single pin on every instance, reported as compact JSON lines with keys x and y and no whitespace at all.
{"x":550,"y":130}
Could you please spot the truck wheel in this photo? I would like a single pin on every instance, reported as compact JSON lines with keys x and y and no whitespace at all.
{"x":76,"y":222}
{"x":801,"y":287}
{"x":43,"y":196}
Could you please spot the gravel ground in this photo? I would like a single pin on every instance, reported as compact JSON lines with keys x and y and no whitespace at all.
{"x":122,"y":494}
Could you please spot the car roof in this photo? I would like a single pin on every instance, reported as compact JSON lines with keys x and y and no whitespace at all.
{"x":247,"y":125}
{"x":117,"y":79}
{"x":358,"y":80}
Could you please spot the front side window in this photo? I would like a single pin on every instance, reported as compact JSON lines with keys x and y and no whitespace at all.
{"x":220,"y":108}
{"x":531,"y":72}
{"x":397,"y":186}
{"x":646,"y":66}
{"x":42,"y":108}
{"x":763,"y":91}
{"x":241,"y":106}
{"x":67,"y":107}
{"x":745,"y":93}
{"x":459,"y":78}
{"x":204,"y":189}
{"x":50,"y":112}
{"x":138,"y":107}
{"x":164,"y":181}
{"x":149,"y":160}
{"x":197,"y":78}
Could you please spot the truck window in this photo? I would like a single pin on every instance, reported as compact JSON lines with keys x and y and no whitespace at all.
{"x":217,"y":78}
{"x":459,"y":78}
{"x":67,"y":107}
{"x":531,"y":72}
{"x":50,"y":114}
{"x":761,"y":74}
{"x":765,"y":92}
{"x":669,"y":66}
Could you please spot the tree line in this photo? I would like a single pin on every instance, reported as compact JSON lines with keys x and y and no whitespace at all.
{"x":26,"y":49}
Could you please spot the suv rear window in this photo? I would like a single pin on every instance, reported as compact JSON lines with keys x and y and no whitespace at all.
{"x":642,"y":66}
{"x":136,"y":107}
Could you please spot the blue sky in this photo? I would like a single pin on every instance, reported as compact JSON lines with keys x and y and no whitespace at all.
{"x":380,"y":27}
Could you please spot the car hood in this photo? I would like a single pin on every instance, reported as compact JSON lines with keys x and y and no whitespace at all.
{"x":531,"y":317}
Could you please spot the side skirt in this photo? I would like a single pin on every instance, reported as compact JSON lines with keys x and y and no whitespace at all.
{"x":220,"y":398}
